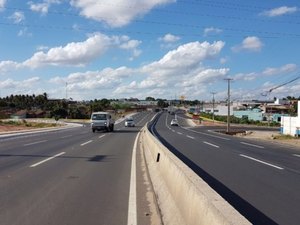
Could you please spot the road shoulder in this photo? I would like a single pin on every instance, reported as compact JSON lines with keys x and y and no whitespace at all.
{"x":147,"y":208}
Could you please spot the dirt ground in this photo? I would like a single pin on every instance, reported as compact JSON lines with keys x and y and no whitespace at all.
{"x":272,"y":136}
{"x":8,"y":128}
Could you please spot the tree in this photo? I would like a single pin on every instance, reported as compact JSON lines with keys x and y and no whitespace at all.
{"x":3,"y":103}
{"x":105,"y":103}
{"x":59,"y":113}
{"x":150,"y":99}
{"x":41,"y":101}
{"x":162,"y":103}
{"x":96,"y":106}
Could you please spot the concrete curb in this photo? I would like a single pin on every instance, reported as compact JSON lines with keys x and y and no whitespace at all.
{"x":183,"y":197}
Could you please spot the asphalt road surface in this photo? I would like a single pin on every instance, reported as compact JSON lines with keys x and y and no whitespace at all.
{"x":73,"y":176}
{"x":261,"y":180}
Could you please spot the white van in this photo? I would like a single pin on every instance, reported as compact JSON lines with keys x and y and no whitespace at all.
{"x":102,"y":121}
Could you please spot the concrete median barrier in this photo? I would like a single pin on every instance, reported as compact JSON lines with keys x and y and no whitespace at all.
{"x":183,"y":197}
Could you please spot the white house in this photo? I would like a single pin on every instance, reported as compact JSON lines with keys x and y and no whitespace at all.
{"x":291,"y":125}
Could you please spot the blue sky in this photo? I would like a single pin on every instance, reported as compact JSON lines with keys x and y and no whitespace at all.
{"x":88,"y":49}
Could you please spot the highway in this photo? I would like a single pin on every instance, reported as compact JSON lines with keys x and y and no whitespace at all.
{"x":74,"y":176}
{"x":261,"y":180}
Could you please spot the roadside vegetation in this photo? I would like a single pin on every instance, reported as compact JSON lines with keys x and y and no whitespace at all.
{"x":41,"y":106}
{"x":25,"y":123}
{"x":233,"y":119}
{"x":285,"y":137}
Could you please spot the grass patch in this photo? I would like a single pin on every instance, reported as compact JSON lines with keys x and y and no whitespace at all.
{"x":25,"y":123}
{"x":285,"y":137}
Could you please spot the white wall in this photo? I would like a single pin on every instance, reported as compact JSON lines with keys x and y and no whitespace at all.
{"x":291,"y":125}
{"x":220,"y":110}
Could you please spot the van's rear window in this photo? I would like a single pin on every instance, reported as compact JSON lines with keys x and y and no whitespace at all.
{"x":99,"y":117}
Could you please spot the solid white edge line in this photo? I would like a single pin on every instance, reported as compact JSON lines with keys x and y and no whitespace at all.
{"x":36,"y":164}
{"x":85,"y":143}
{"x":153,"y":117}
{"x":253,"y":145}
{"x":216,"y":146}
{"x":296,"y":155}
{"x":34,"y":143}
{"x":132,"y":208}
{"x":257,"y":160}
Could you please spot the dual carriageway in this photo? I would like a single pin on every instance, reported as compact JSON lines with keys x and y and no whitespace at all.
{"x":74,"y":176}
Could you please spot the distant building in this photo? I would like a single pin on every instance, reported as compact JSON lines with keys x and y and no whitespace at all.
{"x":22,"y":114}
{"x":255,"y":114}
{"x":274,"y":111}
{"x":270,"y":111}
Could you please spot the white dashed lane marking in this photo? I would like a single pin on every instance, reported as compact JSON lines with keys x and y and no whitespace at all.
{"x":216,"y":146}
{"x":249,"y":144}
{"x":260,"y":161}
{"x":85,"y":143}
{"x":34,"y":143}
{"x":45,"y":160}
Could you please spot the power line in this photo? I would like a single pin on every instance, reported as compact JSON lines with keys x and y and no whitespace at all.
{"x":244,"y":32}
{"x":278,"y":86}
{"x":239,"y":18}
{"x":230,"y":5}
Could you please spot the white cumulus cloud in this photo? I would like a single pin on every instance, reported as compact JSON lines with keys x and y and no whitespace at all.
{"x":13,"y":84}
{"x":169,"y":38}
{"x":281,"y":70}
{"x":2,"y":4}
{"x":283,"y":10}
{"x":204,"y":75}
{"x":107,"y":78}
{"x":42,"y":7}
{"x":81,"y":53}
{"x":181,"y":68}
{"x":116,"y":13}
{"x":75,"y":53}
{"x":269,"y":71}
{"x":252,"y":44}
{"x":17,"y":17}
{"x":8,"y":66}
{"x":184,"y":57}
{"x":212,"y":31}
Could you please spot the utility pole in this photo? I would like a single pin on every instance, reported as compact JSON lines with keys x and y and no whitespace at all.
{"x":213,"y":102}
{"x":228,"y":104}
{"x":66,"y":90}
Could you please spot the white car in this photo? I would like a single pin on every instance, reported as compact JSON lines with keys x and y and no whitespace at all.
{"x":174,"y":122}
{"x":129,"y":122}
